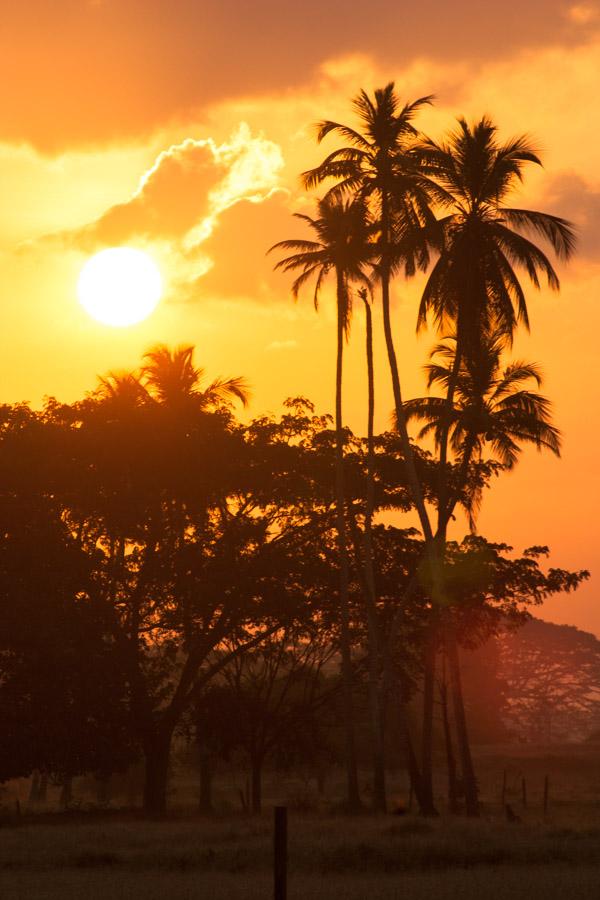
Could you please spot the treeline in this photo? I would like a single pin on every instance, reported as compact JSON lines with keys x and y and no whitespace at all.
{"x":186,"y":551}
{"x":165,"y":569}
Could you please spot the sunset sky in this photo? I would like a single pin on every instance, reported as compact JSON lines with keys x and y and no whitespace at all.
{"x":181,"y":128}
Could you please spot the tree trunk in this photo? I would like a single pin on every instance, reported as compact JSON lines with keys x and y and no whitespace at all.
{"x":450,"y":757}
{"x":103,"y":788}
{"x":205,"y":804}
{"x":353,"y":796}
{"x":256,"y":787}
{"x":443,"y":507}
{"x":66,"y":793}
{"x":464,"y":748}
{"x":427,"y":735}
{"x":409,"y":460}
{"x":425,"y":802}
{"x":157,"y":750}
{"x":375,"y":698}
{"x":43,"y":789}
{"x":34,"y":789}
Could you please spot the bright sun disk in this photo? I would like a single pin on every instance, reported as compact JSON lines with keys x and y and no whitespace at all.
{"x":119,"y":286}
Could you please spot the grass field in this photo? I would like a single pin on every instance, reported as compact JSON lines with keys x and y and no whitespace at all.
{"x":116,"y":854}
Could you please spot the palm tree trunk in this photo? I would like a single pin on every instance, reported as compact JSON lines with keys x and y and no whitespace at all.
{"x":424,"y":801}
{"x":444,"y":512}
{"x":464,"y":747}
{"x":375,"y":699}
{"x":430,"y":653}
{"x":450,"y":757}
{"x":353,"y":795}
{"x":409,"y":460}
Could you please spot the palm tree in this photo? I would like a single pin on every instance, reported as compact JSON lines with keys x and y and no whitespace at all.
{"x":379,"y":166}
{"x":474,"y":287}
{"x":492,"y":408}
{"x":375,"y":698}
{"x":342,"y":248}
{"x":120,"y":392}
{"x":174,"y":381}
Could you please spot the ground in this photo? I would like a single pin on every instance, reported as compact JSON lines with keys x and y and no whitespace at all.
{"x":112,"y":853}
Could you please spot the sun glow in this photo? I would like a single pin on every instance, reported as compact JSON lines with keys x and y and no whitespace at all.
{"x":119,"y":286}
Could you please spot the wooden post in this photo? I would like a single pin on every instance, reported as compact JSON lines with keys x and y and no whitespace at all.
{"x":546,"y":788}
{"x":410,"y":797}
{"x":524,"y":791}
{"x":280,"y":853}
{"x":503,"y":801}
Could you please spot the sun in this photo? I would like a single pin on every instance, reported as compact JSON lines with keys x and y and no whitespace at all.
{"x":119,"y":286}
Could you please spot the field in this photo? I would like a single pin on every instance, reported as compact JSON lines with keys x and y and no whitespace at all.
{"x":111,"y":853}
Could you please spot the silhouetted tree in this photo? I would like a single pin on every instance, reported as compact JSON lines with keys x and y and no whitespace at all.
{"x":378,"y":165}
{"x":343,"y":249}
{"x":267,"y":701}
{"x":552,"y":678}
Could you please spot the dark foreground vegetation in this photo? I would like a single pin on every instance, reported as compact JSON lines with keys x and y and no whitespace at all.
{"x":108,"y":851}
{"x":257,"y":594}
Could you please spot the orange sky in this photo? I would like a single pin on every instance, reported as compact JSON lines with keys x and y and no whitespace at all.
{"x":181,"y":127}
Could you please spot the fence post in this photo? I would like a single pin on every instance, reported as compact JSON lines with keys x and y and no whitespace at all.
{"x":280,"y":853}
{"x":546,"y":790}
{"x":503,"y":789}
{"x":524,"y":791}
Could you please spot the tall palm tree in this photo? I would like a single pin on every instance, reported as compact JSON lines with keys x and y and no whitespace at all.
{"x":492,"y":409}
{"x":342,"y":248}
{"x":378,"y":165}
{"x":173,"y":380}
{"x":376,"y":700}
{"x":474,"y":287}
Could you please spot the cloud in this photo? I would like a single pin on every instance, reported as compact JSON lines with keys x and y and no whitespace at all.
{"x":582,"y":13}
{"x":98,"y":72}
{"x":181,"y":197}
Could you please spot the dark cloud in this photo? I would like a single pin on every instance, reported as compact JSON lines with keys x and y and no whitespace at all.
{"x":77,"y":71}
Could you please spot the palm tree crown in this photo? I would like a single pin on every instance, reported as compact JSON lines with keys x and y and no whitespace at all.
{"x":379,"y":165}
{"x":491,"y":406}
{"x":120,"y":390}
{"x":343,"y":246}
{"x":174,"y":380}
{"x":473,"y":287}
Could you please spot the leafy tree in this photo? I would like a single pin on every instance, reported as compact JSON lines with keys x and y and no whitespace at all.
{"x":267,"y":702}
{"x":61,"y":691}
{"x":552,"y":678}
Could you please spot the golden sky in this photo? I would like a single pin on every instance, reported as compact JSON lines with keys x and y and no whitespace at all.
{"x":180,"y":127}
